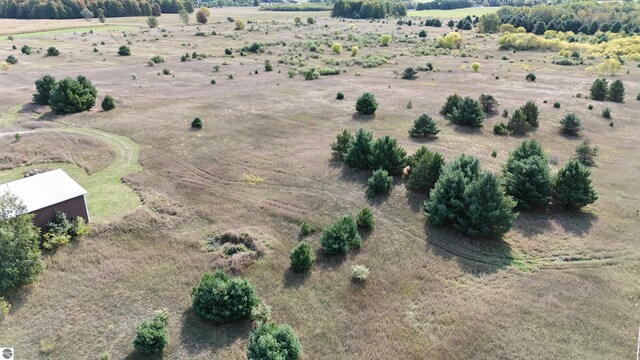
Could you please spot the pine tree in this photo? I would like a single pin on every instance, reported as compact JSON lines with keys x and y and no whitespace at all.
{"x":359,"y":154}
{"x":301,"y":257}
{"x":488,"y":212}
{"x":43,"y":89}
{"x":599,"y":89}
{"x":468,"y":112}
{"x":426,"y":172}
{"x":367,"y":104}
{"x":571,"y":124}
{"x":616,"y":91}
{"x":572,"y":186}
{"x":531,"y":113}
{"x":450,"y":104}
{"x":518,"y":123}
{"x":528,"y":181}
{"x":342,"y":144}
{"x":424,"y":126}
{"x":71,"y":96}
{"x":388,"y":155}
{"x":527,"y":149}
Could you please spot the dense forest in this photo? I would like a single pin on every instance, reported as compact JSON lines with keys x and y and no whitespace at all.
{"x":69,"y":9}
{"x":585,"y":17}
{"x":368,"y":9}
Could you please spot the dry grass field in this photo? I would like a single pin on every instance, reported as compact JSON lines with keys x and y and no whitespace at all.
{"x":561,"y":284}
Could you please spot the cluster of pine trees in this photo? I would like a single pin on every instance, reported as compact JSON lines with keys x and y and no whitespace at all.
{"x":584,"y":17}
{"x":70,"y":9}
{"x":368,"y":9}
{"x":444,"y":5}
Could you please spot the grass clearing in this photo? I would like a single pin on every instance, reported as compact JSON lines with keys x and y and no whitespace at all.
{"x":71,"y":30}
{"x":10,"y":116}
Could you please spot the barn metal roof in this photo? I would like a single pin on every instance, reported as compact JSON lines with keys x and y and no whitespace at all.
{"x":45,"y":189}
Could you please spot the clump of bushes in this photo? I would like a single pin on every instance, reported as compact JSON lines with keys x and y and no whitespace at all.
{"x":69,"y":95}
{"x":500,"y":129}
{"x":222,"y":299}
{"x":601,"y":91}
{"x":341,"y":237}
{"x":152,"y":335}
{"x":25,"y":49}
{"x":52,"y":51}
{"x":463,"y":111}
{"x":311,"y":74}
{"x":367,"y":104}
{"x":60,"y":230}
{"x":12,"y":60}
{"x":409,"y":74}
{"x":124,"y":50}
{"x":157,"y":59}
{"x":606,"y":113}
{"x":271,"y":341}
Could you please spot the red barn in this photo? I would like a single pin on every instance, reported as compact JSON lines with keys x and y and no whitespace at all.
{"x":46,"y":193}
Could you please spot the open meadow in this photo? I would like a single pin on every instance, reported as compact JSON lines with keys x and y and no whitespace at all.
{"x":560,"y":284}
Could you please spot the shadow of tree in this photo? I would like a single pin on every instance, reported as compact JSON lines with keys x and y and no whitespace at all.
{"x":362,"y":117}
{"x":329,"y":262}
{"x":416,"y":199}
{"x":533,"y":222}
{"x":292,"y":279}
{"x":198,"y":335}
{"x":476,"y":256}
{"x":467,"y":130}
{"x":576,"y":222}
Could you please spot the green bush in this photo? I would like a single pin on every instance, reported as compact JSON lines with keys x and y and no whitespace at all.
{"x":606,"y":113}
{"x":500,"y":129}
{"x":26,"y":49}
{"x":152,"y":335}
{"x":586,"y":153}
{"x":471,"y":200}
{"x":379,"y":183}
{"x":339,"y":96}
{"x":359,"y":273}
{"x":359,"y":153}
{"x":572,"y":186}
{"x":451,"y":103}
{"x":385,"y":40}
{"x":196,"y":123}
{"x":340,"y":237}
{"x":531,"y":113}
{"x":556,"y":105}
{"x":599,"y":89}
{"x":526,"y":175}
{"x":124,"y":50}
{"x":409,"y":74}
{"x":302,"y":258}
{"x":468,"y":112}
{"x":571,"y":124}
{"x":365,"y":219}
{"x":52,"y":51}
{"x":273,"y":342}
{"x":616,"y":91}
{"x":20,"y":263}
{"x":157,"y":59}
{"x":311,"y":74}
{"x":43,"y":89}
{"x":425,"y":172}
{"x":340,"y":148}
{"x":108,"y":103}
{"x":518,"y":123}
{"x":12,"y":60}
{"x":70,"y":96}
{"x":268,"y":66}
{"x":531,"y":77}
{"x":306,"y":229}
{"x":222,"y":299}
{"x":367,"y":104}
{"x":424,"y":126}
{"x":489,"y":104}
{"x":386,"y":154}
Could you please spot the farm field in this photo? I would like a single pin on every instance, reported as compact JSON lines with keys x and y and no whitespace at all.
{"x":560,"y":284}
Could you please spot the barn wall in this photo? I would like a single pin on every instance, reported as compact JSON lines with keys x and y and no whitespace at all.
{"x":73,"y":208}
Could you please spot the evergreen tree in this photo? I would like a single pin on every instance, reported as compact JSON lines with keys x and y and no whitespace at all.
{"x":273,"y":342}
{"x":527,"y":149}
{"x":426,"y":172}
{"x":302,"y":258}
{"x":599,"y":89}
{"x":71,"y":96}
{"x":518,"y":123}
{"x":388,"y":155}
{"x":572,"y":186}
{"x":571,"y":124}
{"x":424,"y":126}
{"x":342,"y":144}
{"x":488,"y":212}
{"x":450,"y":104}
{"x":341,"y":236}
{"x":359,"y":154}
{"x":540,"y":28}
{"x":585,"y":153}
{"x":531,"y":113}
{"x":367,"y":104}
{"x":43,"y":89}
{"x":468,"y":112}
{"x":528,"y":181}
{"x":222,"y":299}
{"x":379,"y":183}
{"x":616,"y":91}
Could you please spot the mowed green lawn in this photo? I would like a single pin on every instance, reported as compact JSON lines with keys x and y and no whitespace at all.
{"x":108,"y":198}
{"x":455,"y":13}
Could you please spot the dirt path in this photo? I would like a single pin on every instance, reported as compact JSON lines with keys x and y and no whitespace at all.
{"x":107,"y":196}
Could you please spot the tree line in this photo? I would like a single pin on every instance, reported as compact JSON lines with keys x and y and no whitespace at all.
{"x":368,"y":9}
{"x":70,"y":9}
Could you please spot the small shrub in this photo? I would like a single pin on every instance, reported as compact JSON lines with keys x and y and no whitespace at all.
{"x":157,"y":59}
{"x":489,"y":103}
{"x":306,"y":229}
{"x":422,"y":34}
{"x":302,"y":258}
{"x":409,"y":74}
{"x":556,"y":105}
{"x":271,"y":341}
{"x":268,"y":66}
{"x":409,"y":105}
{"x":530,"y":77}
{"x":385,"y":40}
{"x":196,"y":123}
{"x":124,"y":50}
{"x":379,"y":183}
{"x":616,"y":92}
{"x":166,"y":71}
{"x":500,"y":129}
{"x":336,"y":48}
{"x":340,"y":237}
{"x":365,"y":219}
{"x":475,"y":66}
{"x":239,"y":25}
{"x":340,"y":148}
{"x":599,"y":89}
{"x":354,"y":51}
{"x":152,"y":21}
{"x":367,"y":104}
{"x":25,"y":49}
{"x":52,"y":51}
{"x":222,"y":299}
{"x":261,"y":314}
{"x":12,"y":60}
{"x":152,"y":335}
{"x":590,"y":107}
{"x":359,"y":273}
{"x":108,"y":103}
{"x":339,"y":96}
{"x":586,"y":153}
{"x":213,"y":81}
{"x":311,"y":74}
{"x":606,"y":113}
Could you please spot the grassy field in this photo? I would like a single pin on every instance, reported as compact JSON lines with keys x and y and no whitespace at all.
{"x":561,"y":284}
{"x":84,"y":29}
{"x":455,"y":13}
